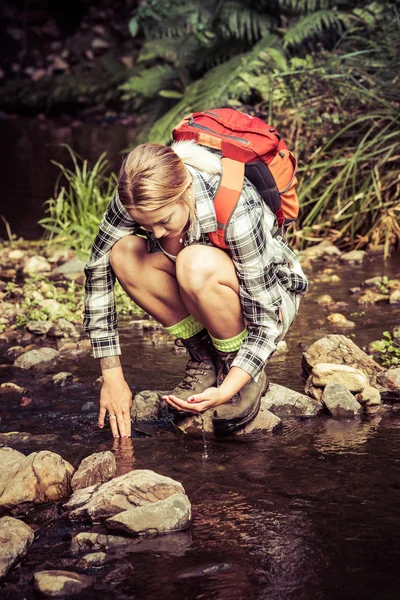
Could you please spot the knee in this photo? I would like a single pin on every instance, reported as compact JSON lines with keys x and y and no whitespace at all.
{"x":127,"y":250}
{"x":194,"y":270}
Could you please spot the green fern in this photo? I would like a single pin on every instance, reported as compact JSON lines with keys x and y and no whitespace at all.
{"x":236,"y":20}
{"x":316,"y":23}
{"x":149,"y":82}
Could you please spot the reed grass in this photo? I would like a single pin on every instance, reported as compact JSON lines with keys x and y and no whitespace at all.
{"x":81,"y":195}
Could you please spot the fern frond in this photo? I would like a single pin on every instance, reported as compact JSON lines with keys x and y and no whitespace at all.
{"x":305,"y":7}
{"x":316,"y":23}
{"x":149,"y":82}
{"x":240,"y":21}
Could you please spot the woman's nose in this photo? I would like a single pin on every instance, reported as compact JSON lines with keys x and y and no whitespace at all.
{"x":158,"y":231}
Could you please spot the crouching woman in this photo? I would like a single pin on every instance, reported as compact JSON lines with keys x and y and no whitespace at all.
{"x":229,"y":308}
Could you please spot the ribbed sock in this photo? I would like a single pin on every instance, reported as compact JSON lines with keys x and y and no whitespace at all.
{"x":186,"y":328}
{"x":230,"y":345}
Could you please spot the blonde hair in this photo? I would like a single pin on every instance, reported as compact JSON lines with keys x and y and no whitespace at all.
{"x":153,"y":175}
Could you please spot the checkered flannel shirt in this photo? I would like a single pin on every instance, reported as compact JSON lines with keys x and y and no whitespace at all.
{"x":263,"y":262}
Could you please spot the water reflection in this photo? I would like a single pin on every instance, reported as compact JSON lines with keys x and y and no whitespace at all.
{"x":345,"y":435}
{"x":123,"y":450}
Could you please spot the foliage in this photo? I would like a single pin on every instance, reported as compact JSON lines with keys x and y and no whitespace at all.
{"x":81,"y":196}
{"x":389,"y":350}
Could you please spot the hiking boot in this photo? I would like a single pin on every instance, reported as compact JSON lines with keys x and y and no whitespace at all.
{"x":244,"y":406}
{"x":200,"y":371}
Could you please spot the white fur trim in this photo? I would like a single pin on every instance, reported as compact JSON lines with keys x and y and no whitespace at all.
{"x":198,"y":156}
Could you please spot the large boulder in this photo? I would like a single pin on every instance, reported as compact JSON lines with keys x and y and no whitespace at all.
{"x":36,"y":358}
{"x":352,"y":379}
{"x":340,"y":350}
{"x":287,"y":403}
{"x":339,"y":401}
{"x":38,"y":478}
{"x":15,"y":540}
{"x":171,"y":514}
{"x":94,"y":469}
{"x":59,"y":584}
{"x":136,"y":488}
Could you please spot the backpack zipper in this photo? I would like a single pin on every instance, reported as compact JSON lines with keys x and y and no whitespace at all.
{"x":231,"y":137}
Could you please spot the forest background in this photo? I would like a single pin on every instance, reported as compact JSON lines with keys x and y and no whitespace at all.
{"x":326,"y":74}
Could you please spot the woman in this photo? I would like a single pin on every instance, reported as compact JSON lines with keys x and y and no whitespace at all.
{"x":228,"y":308}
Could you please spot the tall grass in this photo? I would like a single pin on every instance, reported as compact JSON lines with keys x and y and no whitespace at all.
{"x":81,"y":195}
{"x":350,"y":188}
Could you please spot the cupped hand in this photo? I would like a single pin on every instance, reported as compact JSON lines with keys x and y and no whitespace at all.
{"x":116,"y":398}
{"x":197,"y":403}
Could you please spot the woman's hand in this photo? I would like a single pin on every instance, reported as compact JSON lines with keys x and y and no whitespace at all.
{"x":116,"y":398}
{"x":198,"y":403}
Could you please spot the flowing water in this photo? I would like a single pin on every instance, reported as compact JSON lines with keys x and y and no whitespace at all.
{"x":310,"y":511}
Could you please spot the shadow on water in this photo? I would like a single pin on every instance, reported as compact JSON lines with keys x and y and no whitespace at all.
{"x":310,"y":511}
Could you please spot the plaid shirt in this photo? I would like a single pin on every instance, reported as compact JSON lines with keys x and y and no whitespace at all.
{"x":263,"y":261}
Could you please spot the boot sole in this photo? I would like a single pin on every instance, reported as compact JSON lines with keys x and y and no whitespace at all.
{"x":222,"y":426}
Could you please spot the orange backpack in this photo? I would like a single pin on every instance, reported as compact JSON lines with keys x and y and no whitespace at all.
{"x":250,"y":148}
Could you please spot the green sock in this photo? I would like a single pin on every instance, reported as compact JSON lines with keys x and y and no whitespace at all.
{"x":230,"y":345}
{"x":186,"y":328}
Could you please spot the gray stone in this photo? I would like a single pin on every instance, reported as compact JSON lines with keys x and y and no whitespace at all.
{"x":52,"y":307}
{"x":390,"y":379}
{"x":15,"y":540}
{"x":62,"y":378}
{"x":324,"y":300}
{"x":72,"y":267}
{"x":339,"y":401}
{"x":285,"y":402}
{"x":39,"y":327}
{"x":373,"y":281}
{"x":62,"y":328}
{"x":147,"y":405}
{"x":324,"y":248}
{"x":59,"y":584}
{"x":36,"y":264}
{"x":339,"y":349}
{"x":94,"y":469}
{"x":14,"y":352}
{"x":369,"y":396}
{"x":370,"y":297}
{"x":33,"y":358}
{"x":135,"y":488}
{"x":9,"y":386}
{"x":171,"y":514}
{"x":92,"y":561}
{"x":352,"y":379}
{"x":174,"y":544}
{"x":26,"y":481}
{"x":353,"y":257}
{"x":340,"y":321}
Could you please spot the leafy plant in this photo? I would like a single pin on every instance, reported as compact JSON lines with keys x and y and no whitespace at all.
{"x":81,"y":196}
{"x":388,"y":349}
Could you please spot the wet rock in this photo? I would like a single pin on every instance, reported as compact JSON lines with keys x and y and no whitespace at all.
{"x":339,"y":349}
{"x":95,"y":469}
{"x":340,"y":320}
{"x":135,"y":488}
{"x":339,"y":401}
{"x":72,"y":269}
{"x":312,"y":390}
{"x":33,"y":358}
{"x":287,"y":403}
{"x":14,"y":352}
{"x":338,"y":307}
{"x":324,"y":248}
{"x":35,"y":479}
{"x":324,"y":300}
{"x":62,"y":328}
{"x":354,"y":257}
{"x":147,"y":405}
{"x":281,"y":348}
{"x":15,"y":540}
{"x":390,"y":379}
{"x":10,"y":386}
{"x":395,"y":297}
{"x":326,"y":278}
{"x":36,"y":264}
{"x":352,"y":379}
{"x":15,"y":437}
{"x":62,"y":378}
{"x":8,"y":274}
{"x":39,"y":327}
{"x":89,"y":407}
{"x":171,"y":514}
{"x":92,"y":561}
{"x":369,"y":396}
{"x":88,"y":541}
{"x":59,"y":584}
{"x":174,"y":544}
{"x":373,"y":281}
{"x":16,"y":255}
{"x":201,"y":424}
{"x":370,"y":297}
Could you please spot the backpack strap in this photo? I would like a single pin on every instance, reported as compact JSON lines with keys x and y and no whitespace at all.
{"x":226,"y":198}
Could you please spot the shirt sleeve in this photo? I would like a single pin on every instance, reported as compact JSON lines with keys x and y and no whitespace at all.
{"x":250,"y":242}
{"x":100,"y":319}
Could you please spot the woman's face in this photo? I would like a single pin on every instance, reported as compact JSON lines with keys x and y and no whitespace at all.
{"x":170,"y":220}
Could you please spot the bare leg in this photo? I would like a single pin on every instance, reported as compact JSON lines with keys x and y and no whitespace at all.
{"x":149,"y":279}
{"x":210,"y":289}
